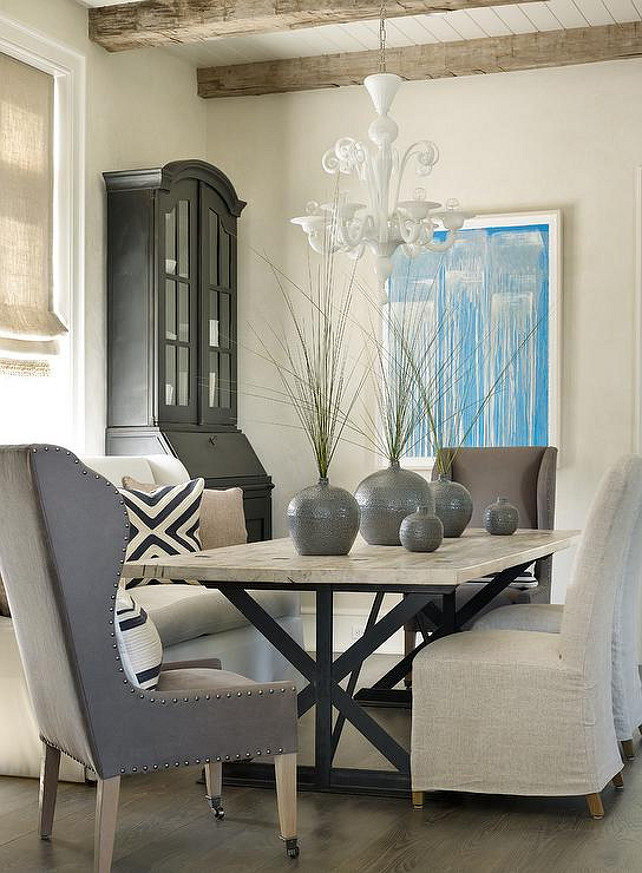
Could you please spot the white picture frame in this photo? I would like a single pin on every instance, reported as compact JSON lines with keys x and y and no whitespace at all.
{"x":553,"y":219}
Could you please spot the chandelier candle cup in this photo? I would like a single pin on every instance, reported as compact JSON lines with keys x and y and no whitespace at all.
{"x":422,"y":531}
{"x":501,"y":518}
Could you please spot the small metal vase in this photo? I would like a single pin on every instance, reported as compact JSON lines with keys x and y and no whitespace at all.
{"x":422,"y":531}
{"x":501,"y":518}
{"x":453,"y":505}
{"x":385,"y":498}
{"x":323,"y":520}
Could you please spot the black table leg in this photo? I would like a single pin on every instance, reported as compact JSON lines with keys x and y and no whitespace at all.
{"x":383,"y":692}
{"x":354,"y":676}
{"x":323,"y":683}
{"x":449,"y":613}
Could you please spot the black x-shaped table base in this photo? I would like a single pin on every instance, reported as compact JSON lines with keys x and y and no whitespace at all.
{"x":324,"y":673}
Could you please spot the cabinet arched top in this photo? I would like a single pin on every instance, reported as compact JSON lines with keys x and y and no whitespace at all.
{"x":163,"y":178}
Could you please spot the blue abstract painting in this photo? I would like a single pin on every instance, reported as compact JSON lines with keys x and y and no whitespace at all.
{"x":489,"y":295}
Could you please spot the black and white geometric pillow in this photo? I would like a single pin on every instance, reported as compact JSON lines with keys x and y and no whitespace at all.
{"x":163,"y":522}
{"x":139,"y":645}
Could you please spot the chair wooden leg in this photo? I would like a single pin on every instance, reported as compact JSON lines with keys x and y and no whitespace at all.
{"x":409,"y":641}
{"x":285,"y":771}
{"x":214,"y":783}
{"x":596,"y":809}
{"x":417,"y":799}
{"x":49,"y":769}
{"x":105,"y":829}
{"x":618,"y":780}
{"x":628,"y":749}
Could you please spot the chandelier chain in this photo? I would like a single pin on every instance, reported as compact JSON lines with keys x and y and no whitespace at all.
{"x":382,"y":37}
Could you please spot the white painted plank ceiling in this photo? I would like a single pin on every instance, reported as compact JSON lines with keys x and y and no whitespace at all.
{"x":412,"y":30}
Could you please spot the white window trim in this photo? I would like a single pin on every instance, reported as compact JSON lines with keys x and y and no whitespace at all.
{"x":554,"y":219}
{"x":68,"y":69}
{"x":637,"y":330}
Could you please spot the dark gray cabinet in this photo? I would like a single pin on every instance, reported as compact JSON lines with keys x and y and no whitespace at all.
{"x":172,"y":304}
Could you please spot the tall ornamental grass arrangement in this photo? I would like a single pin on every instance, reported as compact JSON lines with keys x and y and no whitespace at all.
{"x":321,"y":381}
{"x":399,"y":341}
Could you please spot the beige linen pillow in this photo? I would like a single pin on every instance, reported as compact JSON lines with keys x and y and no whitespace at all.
{"x":222,"y":515}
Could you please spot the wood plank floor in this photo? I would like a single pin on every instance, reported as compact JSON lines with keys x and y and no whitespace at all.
{"x":165,"y":826}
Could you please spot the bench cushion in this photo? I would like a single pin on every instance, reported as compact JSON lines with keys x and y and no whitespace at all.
{"x":185,"y":612}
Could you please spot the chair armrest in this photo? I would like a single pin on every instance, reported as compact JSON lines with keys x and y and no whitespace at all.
{"x":195,"y":664}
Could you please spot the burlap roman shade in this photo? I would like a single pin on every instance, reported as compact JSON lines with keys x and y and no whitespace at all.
{"x":28,"y":324}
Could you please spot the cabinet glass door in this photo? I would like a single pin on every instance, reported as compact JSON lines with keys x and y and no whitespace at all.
{"x":218,"y":303}
{"x":178,"y":305}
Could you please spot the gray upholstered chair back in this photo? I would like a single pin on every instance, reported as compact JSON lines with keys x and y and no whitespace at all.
{"x":524,"y":474}
{"x":527,"y":475}
{"x":63,"y":533}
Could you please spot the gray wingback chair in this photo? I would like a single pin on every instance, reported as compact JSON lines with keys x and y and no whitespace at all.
{"x":63,"y":535}
{"x":527,"y":475}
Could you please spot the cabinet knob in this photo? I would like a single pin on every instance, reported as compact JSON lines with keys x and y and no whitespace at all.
{"x":213,"y":441}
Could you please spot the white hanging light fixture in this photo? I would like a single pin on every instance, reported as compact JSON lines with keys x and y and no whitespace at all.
{"x":384,"y":222}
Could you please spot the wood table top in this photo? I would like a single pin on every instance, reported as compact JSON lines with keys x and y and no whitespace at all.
{"x":275,"y":563}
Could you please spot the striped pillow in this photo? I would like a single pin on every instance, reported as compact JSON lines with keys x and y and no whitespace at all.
{"x":163,"y":522}
{"x":139,"y":645}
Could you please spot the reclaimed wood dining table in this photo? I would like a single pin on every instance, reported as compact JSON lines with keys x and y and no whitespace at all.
{"x":236,"y":571}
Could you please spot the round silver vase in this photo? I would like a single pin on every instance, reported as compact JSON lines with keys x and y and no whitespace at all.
{"x":453,"y":505}
{"x":422,"y":531}
{"x":385,"y":498}
{"x":501,"y":518}
{"x":323,"y":520}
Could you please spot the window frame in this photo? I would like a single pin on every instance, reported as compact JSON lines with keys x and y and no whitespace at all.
{"x":552,"y":218}
{"x":637,"y":330}
{"x":68,"y":69}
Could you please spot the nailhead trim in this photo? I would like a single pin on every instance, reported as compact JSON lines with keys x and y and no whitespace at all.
{"x":133,"y":689}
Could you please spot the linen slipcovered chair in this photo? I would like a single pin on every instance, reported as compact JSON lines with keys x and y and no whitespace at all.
{"x":475,"y":692}
{"x":63,"y":537}
{"x":625,"y":675}
{"x":527,"y":476}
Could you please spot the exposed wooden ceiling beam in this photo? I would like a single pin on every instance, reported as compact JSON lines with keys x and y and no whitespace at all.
{"x":558,"y":48}
{"x":168,"y":22}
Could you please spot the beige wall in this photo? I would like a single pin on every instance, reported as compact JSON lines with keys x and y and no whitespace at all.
{"x":142,"y":111}
{"x":565,"y":138}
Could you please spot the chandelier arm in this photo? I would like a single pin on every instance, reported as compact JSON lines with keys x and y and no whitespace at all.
{"x":417,"y":149}
{"x":448,"y":243}
{"x":349,"y":237}
{"x":409,"y":229}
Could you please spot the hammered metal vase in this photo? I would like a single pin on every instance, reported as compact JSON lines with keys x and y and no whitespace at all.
{"x":501,"y":518}
{"x":323,"y":520}
{"x":385,"y":498}
{"x":453,"y":505}
{"x":422,"y":531}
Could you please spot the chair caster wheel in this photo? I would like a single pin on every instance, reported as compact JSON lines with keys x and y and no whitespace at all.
{"x":216,"y":805}
{"x":292,"y":848}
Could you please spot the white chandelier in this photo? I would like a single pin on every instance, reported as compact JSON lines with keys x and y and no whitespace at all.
{"x":384,"y":222}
